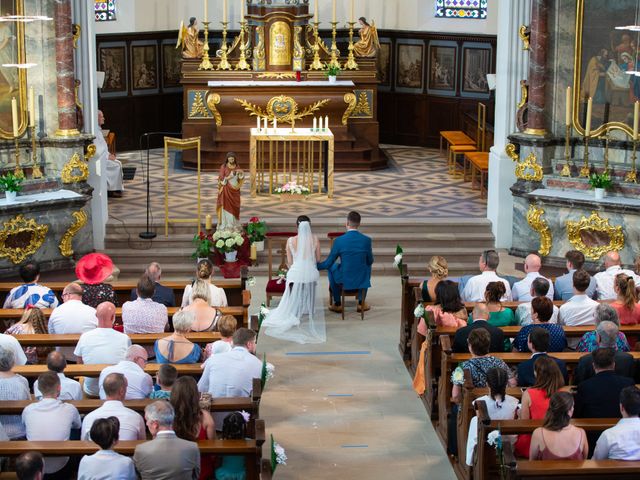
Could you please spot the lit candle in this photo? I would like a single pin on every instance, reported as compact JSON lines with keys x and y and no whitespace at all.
{"x":253,"y":252}
{"x":224,"y":10}
{"x":315,"y":124}
{"x":14,"y":115}
{"x":258,"y":123}
{"x":568,"y":108}
{"x":315,"y":11}
{"x":32,"y":108}
{"x":636,"y":112}
{"x":587,"y":128}
{"x":206,"y":11}
{"x":334,"y":11}
{"x":242,"y":10}
{"x":207,"y":222}
{"x":352,"y":9}
{"x":326,"y":122}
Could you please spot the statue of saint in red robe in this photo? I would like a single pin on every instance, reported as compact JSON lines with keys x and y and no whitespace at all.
{"x":230,"y":182}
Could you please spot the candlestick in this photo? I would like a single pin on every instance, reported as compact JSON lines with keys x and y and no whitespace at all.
{"x":315,"y":124}
{"x":333,"y":11}
{"x":566,"y":170}
{"x":316,"y":64}
{"x":242,"y":9}
{"x":352,"y":10}
{"x":316,"y":15}
{"x":35,"y":168}
{"x":585,"y":170}
{"x":253,"y":252}
{"x":14,"y":116}
{"x":18,"y":170}
{"x":567,"y":120}
{"x":631,"y":176}
{"x":32,"y":108}
{"x":206,"y":12}
{"x":335,"y":53}
{"x":205,"y":64}
{"x":326,"y":122}
{"x":224,"y":11}
{"x":207,"y":222}
{"x":606,"y":150}
{"x":351,"y":60}
{"x":242,"y":61}
{"x":258,"y":123}
{"x":224,"y":62}
{"x":587,"y":128}
{"x":636,"y":113}
{"x":320,"y":124}
{"x":265,"y":124}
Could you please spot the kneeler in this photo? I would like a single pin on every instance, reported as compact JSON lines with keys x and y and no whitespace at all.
{"x":419,"y":380}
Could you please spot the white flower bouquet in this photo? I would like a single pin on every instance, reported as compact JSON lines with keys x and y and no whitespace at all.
{"x":227,"y":241}
{"x":278,"y":455}
{"x":419,"y":311}
{"x":494,"y":438}
{"x":457,"y":377}
{"x":292,"y":188}
{"x":397,"y":260}
{"x":251,"y":281}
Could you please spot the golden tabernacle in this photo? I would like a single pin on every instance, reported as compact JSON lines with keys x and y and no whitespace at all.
{"x":276,"y":68}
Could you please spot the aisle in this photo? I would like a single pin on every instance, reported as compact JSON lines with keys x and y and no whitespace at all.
{"x":346,"y":409}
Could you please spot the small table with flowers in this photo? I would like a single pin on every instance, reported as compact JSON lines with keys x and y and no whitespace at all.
{"x":301,"y":156}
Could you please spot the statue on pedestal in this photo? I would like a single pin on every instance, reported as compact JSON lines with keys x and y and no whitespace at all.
{"x":192,"y":47}
{"x":368,"y":45}
{"x":230,"y":182}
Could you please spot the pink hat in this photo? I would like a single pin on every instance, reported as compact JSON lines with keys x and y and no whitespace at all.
{"x":94,"y":268}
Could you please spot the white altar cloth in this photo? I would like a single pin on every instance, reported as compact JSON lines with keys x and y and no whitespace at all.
{"x":280,"y":83}
{"x":40,"y":197}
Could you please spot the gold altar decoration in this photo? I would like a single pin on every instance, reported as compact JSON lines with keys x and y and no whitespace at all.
{"x":298,"y":49}
{"x":510,"y":150}
{"x":594,"y":223}
{"x":36,"y":172}
{"x":242,"y":61}
{"x":363,"y":108}
{"x":283,"y":108}
{"x":524,"y":34}
{"x":351,"y":64}
{"x":259,"y":55}
{"x":222,"y":53}
{"x":280,"y":41}
{"x":198,"y":108}
{"x":213,"y":99}
{"x":76,"y":31}
{"x":530,"y":164}
{"x":524,"y":94}
{"x":335,"y":53}
{"x":351,"y":101}
{"x":75,"y":170}
{"x":316,"y":64}
{"x":539,"y":224}
{"x":16,"y":233}
{"x":276,"y":75}
{"x":180,"y":144}
{"x":91,"y":151}
{"x":205,"y":64}
{"x":65,"y":245}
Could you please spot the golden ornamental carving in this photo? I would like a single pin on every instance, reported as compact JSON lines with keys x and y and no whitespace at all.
{"x":279,"y":43}
{"x":524,"y":34}
{"x":75,"y":170}
{"x":595,"y":223}
{"x":258,"y":51}
{"x":283,"y":108}
{"x":16,"y":233}
{"x":276,"y":75}
{"x":76,"y":31}
{"x":91,"y":151}
{"x":539,"y":224}
{"x":530,"y":164}
{"x":65,"y":246}
{"x":524,"y":94}
{"x":198,"y":108}
{"x":213,"y":99}
{"x":351,"y":101}
{"x":362,"y":107}
{"x":510,"y":150}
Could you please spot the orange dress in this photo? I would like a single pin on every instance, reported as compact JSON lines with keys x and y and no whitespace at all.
{"x":537,"y":411}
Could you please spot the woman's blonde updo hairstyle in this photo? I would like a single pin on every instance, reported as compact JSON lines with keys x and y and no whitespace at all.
{"x":438,"y":267}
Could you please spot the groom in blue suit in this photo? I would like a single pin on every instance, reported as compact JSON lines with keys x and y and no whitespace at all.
{"x":354,"y":270}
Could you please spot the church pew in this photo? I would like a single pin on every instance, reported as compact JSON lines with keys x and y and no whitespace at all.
{"x":71,"y":339}
{"x":406,"y":312}
{"x":568,"y":469}
{"x":83,"y":370}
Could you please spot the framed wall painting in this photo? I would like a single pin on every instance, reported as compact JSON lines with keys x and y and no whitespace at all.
{"x":112,"y":60}
{"x":443,"y":68}
{"x":144,"y":68}
{"x":171,"y":66}
{"x":384,"y":64}
{"x":410,"y":66}
{"x":476,"y":64}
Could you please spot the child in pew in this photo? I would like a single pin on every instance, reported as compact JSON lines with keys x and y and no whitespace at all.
{"x":227,"y":325}
{"x":167,"y":375}
{"x":233,"y":466}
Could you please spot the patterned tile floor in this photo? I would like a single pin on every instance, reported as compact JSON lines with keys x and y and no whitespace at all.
{"x":416,"y":184}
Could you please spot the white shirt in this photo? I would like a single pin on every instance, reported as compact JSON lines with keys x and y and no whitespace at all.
{"x":522,"y":290}
{"x":51,"y":419}
{"x":476,"y":286}
{"x":72,"y":316}
{"x":10,"y":343}
{"x":523,"y":314}
{"x":70,"y":389}
{"x":31,"y":293}
{"x":139,"y":383}
{"x":218,"y":297}
{"x":620,"y":442}
{"x":106,"y":465}
{"x":604,"y":281}
{"x":578,"y":310}
{"x":101,"y":345}
{"x":131,"y":422}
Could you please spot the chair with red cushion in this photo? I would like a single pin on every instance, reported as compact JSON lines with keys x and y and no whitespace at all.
{"x":276,"y":243}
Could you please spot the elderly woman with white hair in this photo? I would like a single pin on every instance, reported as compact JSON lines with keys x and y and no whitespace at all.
{"x":176,"y":348}
{"x":589,"y":341}
{"x":12,"y":387}
{"x":206,"y":317}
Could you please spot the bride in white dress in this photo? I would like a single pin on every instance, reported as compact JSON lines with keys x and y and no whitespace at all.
{"x":299,"y":317}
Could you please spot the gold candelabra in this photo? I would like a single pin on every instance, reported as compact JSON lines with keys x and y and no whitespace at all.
{"x":242,"y":61}
{"x":18,"y":172}
{"x":205,"y":64}
{"x":631,"y":176}
{"x":224,"y":61}
{"x":35,"y":171}
{"x":351,"y":60}
{"x":566,"y":170}
{"x":316,"y":64}
{"x":335,"y":53}
{"x":606,"y":151}
{"x":585,"y":170}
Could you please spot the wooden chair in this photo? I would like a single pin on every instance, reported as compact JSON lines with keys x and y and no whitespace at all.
{"x":479,"y":145}
{"x":477,"y":163}
{"x":361,"y":293}
{"x":454,"y":138}
{"x":277,"y":241}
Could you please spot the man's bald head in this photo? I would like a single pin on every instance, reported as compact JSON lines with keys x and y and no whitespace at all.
{"x":106,"y":313}
{"x":72,"y":291}
{"x":56,"y":362}
{"x":115,"y":386}
{"x":611,"y":258}
{"x":480,"y":311}
{"x":532,"y":263}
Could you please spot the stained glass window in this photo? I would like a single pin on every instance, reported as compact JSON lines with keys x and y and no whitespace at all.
{"x":461,"y":8}
{"x":105,"y":11}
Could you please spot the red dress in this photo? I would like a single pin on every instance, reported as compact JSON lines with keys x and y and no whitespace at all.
{"x":207,"y":462}
{"x":537,"y":411}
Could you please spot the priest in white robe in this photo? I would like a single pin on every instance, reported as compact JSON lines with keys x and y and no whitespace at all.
{"x":114,"y":167}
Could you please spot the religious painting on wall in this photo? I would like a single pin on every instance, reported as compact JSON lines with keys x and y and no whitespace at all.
{"x":171,"y":65}
{"x":476,"y":64}
{"x":443,"y":69}
{"x":410,"y":71}
{"x":605,"y":58}
{"x":144,"y":67}
{"x":384,"y":62}
{"x":112,"y":60}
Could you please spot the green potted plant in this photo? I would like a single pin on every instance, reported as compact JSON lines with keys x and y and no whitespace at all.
{"x":256,"y":231}
{"x":204,"y":244}
{"x":11,"y":184}
{"x":600,"y":182}
{"x":332,"y":72}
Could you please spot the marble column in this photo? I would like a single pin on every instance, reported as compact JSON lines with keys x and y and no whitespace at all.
{"x":512,"y":65}
{"x":67,"y":124}
{"x":537,"y":68}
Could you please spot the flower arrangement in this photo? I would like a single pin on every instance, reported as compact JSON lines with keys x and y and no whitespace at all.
{"x":292,"y":188}
{"x":457,"y":377}
{"x":282,"y":275}
{"x":278,"y":455}
{"x":267,"y":371}
{"x":251,"y":281}
{"x":10,"y":182}
{"x":256,"y":229}
{"x":600,"y":180}
{"x":262,"y":314}
{"x":203,"y":243}
{"x":332,"y":71}
{"x":397,"y":260}
{"x":419,"y":311}
{"x":227,"y":241}
{"x":494,"y":438}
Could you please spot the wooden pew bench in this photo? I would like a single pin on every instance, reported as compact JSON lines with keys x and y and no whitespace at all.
{"x":71,"y":339}
{"x":82,"y":370}
{"x":574,"y":469}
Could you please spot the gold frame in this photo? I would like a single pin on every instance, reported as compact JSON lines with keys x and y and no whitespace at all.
{"x":16,"y":225}
{"x":22,"y":78}
{"x":597,"y":223}
{"x":540,"y":225}
{"x":180,"y":144}
{"x":577,"y":83}
{"x":74,"y":163}
{"x":531,"y":162}
{"x":66,"y":245}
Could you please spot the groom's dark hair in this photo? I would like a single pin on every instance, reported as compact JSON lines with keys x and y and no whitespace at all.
{"x":353,"y":219}
{"x":302,"y":218}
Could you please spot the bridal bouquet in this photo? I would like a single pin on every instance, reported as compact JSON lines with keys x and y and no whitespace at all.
{"x":227,"y":241}
{"x":292,"y":188}
{"x":282,"y":275}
